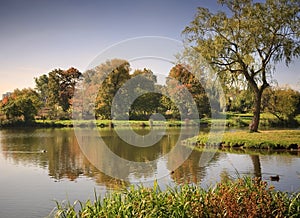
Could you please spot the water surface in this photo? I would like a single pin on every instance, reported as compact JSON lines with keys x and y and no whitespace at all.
{"x":38,"y":166}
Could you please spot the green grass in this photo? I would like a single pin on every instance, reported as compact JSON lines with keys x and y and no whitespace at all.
{"x":244,"y":197}
{"x":272,"y":139}
{"x":266,"y":120}
{"x":243,"y":120}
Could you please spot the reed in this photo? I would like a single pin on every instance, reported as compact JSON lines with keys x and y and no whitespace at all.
{"x":244,"y":197}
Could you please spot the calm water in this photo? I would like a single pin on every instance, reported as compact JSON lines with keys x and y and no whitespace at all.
{"x":40,"y":166}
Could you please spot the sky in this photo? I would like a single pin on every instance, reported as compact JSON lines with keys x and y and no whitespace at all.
{"x":37,"y":36}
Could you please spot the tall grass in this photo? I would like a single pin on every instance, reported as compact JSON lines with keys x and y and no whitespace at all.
{"x":244,"y":197}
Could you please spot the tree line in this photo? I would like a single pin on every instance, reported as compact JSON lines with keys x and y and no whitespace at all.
{"x":53,"y":95}
{"x":50,"y":99}
{"x":137,"y":95}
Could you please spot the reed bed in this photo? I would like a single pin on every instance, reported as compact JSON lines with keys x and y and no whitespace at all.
{"x":244,"y":197}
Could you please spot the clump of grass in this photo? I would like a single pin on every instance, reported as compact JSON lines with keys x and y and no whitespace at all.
{"x":244,"y":197}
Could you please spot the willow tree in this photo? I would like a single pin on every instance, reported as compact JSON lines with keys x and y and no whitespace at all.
{"x":247,"y":40}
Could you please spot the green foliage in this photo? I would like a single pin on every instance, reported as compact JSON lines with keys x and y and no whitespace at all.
{"x":240,"y":101}
{"x":56,"y":91}
{"x":41,"y":84}
{"x":267,"y":119}
{"x":282,"y":103}
{"x":52,"y":100}
{"x":21,"y":105}
{"x":244,"y":197}
{"x":141,"y":86}
{"x":67,"y":81}
{"x":143,"y":83}
{"x":247,"y":41}
{"x":180,"y":85}
{"x":111,"y":75}
{"x":144,"y":106}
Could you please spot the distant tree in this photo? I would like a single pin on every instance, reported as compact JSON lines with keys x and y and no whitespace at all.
{"x":87,"y":106}
{"x":179,"y":80}
{"x":144,"y":86}
{"x":112,"y":75}
{"x":67,"y":81}
{"x":41,"y":85}
{"x":53,"y":90}
{"x":148,"y":74}
{"x":284,"y":103}
{"x":247,"y":40}
{"x":21,"y":104}
{"x":57,"y":90}
{"x":241,"y":101}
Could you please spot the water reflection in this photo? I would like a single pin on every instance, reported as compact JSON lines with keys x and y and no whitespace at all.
{"x":58,"y":152}
{"x":256,"y":165}
{"x":131,"y":162}
{"x":55,"y":149}
{"x":192,"y":171}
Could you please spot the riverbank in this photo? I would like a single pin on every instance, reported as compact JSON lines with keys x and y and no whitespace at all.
{"x":88,"y":123}
{"x":242,"y":197}
{"x":271,"y":139}
{"x":223,"y":119}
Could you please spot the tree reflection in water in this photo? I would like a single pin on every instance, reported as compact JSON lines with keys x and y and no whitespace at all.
{"x":64,"y":159}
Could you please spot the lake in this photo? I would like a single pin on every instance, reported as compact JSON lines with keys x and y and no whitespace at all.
{"x":39,"y":166}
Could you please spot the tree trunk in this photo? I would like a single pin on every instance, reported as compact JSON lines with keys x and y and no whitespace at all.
{"x":256,"y":112}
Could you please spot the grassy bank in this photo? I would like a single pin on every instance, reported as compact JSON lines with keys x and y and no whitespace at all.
{"x":98,"y":123}
{"x":69,"y":123}
{"x":229,"y":119}
{"x":244,"y":197}
{"x":243,"y":120}
{"x":273,"y":139}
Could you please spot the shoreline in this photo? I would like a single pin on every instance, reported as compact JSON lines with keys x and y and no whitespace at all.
{"x":275,"y":139}
{"x":263,"y":140}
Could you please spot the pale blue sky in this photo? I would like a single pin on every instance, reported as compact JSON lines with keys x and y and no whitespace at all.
{"x":37,"y":36}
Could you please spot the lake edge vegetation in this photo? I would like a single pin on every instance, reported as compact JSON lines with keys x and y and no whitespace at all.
{"x":243,"y":197}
